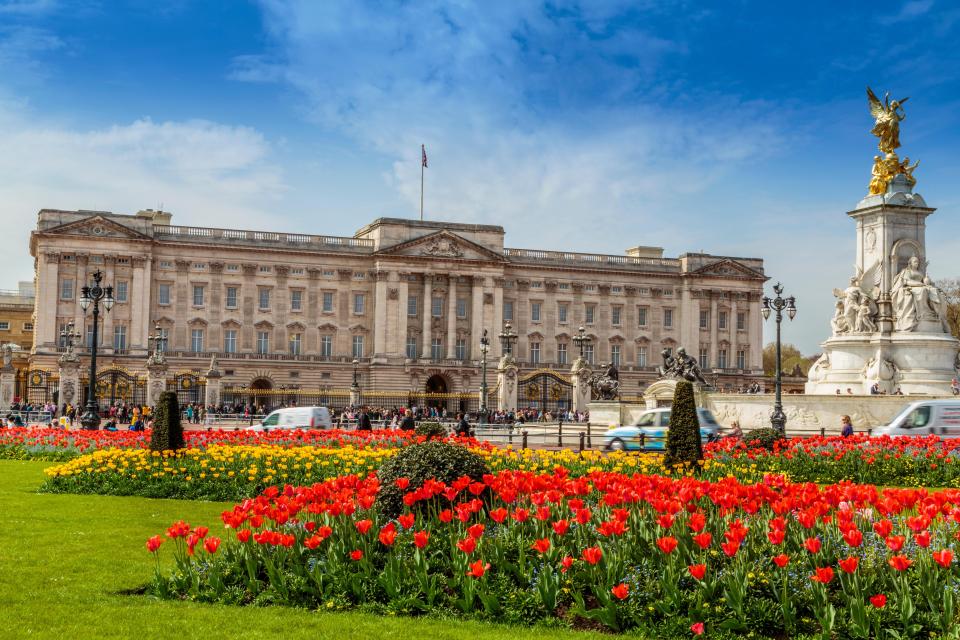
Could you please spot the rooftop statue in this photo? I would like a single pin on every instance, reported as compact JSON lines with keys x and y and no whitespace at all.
{"x":887,"y":116}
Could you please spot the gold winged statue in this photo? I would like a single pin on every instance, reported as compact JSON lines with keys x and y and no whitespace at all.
{"x":887,"y":116}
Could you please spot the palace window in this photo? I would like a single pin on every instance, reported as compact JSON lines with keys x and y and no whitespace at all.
{"x":357,"y":347}
{"x":296,"y":343}
{"x":562,"y":353}
{"x":741,"y":359}
{"x":61,"y":334}
{"x":163,"y":294}
{"x":588,"y":353}
{"x":120,"y":295}
{"x":296,"y":300}
{"x":615,"y":314}
{"x":668,"y":318}
{"x":536,"y":285}
{"x":263,"y":342}
{"x":704,"y":319}
{"x":563,"y":285}
{"x":436,"y":306}
{"x":461,"y":307}
{"x":296,"y":271}
{"x":230,"y":341}
{"x":412,"y":304}
{"x":328,"y":273}
{"x":722,"y":358}
{"x":436,"y":348}
{"x":359,"y":301}
{"x":231,"y":298}
{"x":616,"y":289}
{"x":265,"y":269}
{"x":196,"y":340}
{"x":535,"y":353}
{"x":741,"y":321}
{"x":722,"y":320}
{"x":66,"y":289}
{"x":4,"y":325}
{"x":264,"y":295}
{"x":197,"y":295}
{"x":232,"y":268}
{"x":328,"y":301}
{"x":535,"y":311}
{"x":411,"y":347}
{"x":508,"y":310}
{"x":704,"y":358}
{"x":641,"y":356}
{"x":562,"y":312}
{"x":326,"y":346}
{"x":461,"y":348}
{"x":119,"y":338}
{"x":589,"y":313}
{"x":641,"y":316}
{"x":615,"y":354}
{"x":164,"y":340}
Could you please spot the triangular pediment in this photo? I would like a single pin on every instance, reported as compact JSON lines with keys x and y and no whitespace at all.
{"x":728,"y":268}
{"x":97,"y":227}
{"x":444,"y":245}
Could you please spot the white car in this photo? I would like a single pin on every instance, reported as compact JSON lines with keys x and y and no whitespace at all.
{"x":924,"y":418}
{"x":295,"y":418}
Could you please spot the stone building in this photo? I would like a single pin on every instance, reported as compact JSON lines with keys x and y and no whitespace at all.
{"x":16,"y":316}
{"x":289,"y":313}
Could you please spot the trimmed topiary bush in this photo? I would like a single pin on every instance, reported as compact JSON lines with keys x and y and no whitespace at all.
{"x":683,"y":438}
{"x":167,"y":431}
{"x":767,"y":438}
{"x":431,"y":430}
{"x":418,"y":463}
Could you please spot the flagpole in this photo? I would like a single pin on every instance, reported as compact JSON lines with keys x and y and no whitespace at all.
{"x":421,"y":182}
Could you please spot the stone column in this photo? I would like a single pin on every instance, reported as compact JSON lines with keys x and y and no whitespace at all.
{"x":732,"y":328}
{"x":8,"y":382}
{"x":106,"y":317}
{"x":497,"y":325}
{"x":156,"y":382}
{"x":380,"y":316}
{"x":79,"y":281}
{"x":425,"y":308}
{"x":755,"y":331}
{"x":48,"y":295}
{"x":507,"y":373}
{"x":452,"y":316}
{"x":139,"y":303}
{"x":477,"y":317}
{"x":69,"y":379}
{"x":280,"y":308}
{"x":580,"y":377}
{"x":403,"y":294}
{"x":713,"y":332}
{"x":213,"y":389}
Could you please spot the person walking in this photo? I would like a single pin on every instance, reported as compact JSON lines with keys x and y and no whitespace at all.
{"x":408,"y":423}
{"x":463,"y":427}
{"x":364,"y":424}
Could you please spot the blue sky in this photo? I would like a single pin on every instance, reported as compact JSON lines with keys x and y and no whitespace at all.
{"x":737,"y":128}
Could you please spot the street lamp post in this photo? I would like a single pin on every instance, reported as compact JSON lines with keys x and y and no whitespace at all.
{"x":581,"y":340}
{"x":94,"y":296}
{"x":778,"y":418}
{"x":69,"y":337}
{"x":484,"y":349}
{"x":507,"y":338}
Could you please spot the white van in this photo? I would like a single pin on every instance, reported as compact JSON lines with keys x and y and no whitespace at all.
{"x":296,"y":418}
{"x":924,"y":418}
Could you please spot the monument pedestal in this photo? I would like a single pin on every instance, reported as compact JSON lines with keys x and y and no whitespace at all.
{"x":580,"y":377}
{"x":507,"y":372}
{"x":606,"y":413}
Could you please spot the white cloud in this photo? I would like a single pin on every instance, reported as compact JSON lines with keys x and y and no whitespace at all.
{"x":214,"y":174}
{"x":908,"y":11}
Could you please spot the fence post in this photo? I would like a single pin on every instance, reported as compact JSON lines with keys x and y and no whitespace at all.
{"x":560,"y":435}
{"x":523,"y":442}
{"x":511,"y":434}
{"x":643,"y":441}
{"x":589,"y":441}
{"x":870,"y":432}
{"x":583,"y":438}
{"x":823,"y":432}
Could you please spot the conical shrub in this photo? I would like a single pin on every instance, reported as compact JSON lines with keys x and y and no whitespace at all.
{"x":683,"y":438}
{"x":167,"y":431}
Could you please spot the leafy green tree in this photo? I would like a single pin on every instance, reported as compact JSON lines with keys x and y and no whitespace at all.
{"x":683,"y":438}
{"x":167,"y":431}
{"x":951,"y":288}
{"x":790,"y":357}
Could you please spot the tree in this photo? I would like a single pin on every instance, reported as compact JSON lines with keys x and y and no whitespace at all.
{"x":167,"y":431}
{"x":951,"y":288}
{"x":683,"y":438}
{"x":790,"y":357}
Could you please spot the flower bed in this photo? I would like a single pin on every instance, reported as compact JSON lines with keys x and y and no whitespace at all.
{"x":901,"y":461}
{"x":24,"y":443}
{"x":668,"y":555}
{"x":234,"y":472}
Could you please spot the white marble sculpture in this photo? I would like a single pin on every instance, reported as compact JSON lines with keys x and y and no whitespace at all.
{"x":915,"y":298}
{"x":856,"y":309}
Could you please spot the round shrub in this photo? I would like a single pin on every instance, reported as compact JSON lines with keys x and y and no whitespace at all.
{"x":766,"y":438}
{"x":431,"y":430}
{"x":418,"y":463}
{"x":167,"y":431}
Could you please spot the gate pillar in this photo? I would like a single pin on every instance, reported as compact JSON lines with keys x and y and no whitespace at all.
{"x":211,"y":397}
{"x":580,"y":377}
{"x":156,"y":381}
{"x":8,"y":379}
{"x":69,"y":380}
{"x":507,"y":372}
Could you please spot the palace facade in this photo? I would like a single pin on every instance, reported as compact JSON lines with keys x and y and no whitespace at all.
{"x":408,"y":300}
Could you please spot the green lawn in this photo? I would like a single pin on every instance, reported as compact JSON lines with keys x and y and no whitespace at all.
{"x":65,"y":561}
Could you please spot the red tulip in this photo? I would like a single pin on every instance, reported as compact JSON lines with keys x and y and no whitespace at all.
{"x":402,"y":483}
{"x":781,"y":560}
{"x":446,"y":515}
{"x":878,"y":601}
{"x":467,"y":545}
{"x":697,"y":628}
{"x":388,"y":535}
{"x":697,"y":521}
{"x":583,"y":516}
{"x":541,"y":545}
{"x":730,"y":548}
{"x":499,"y":515}
{"x":776,"y":536}
{"x":154,"y":543}
{"x":621,"y":591}
{"x":566,"y":563}
{"x":592,"y":555}
{"x":406,"y":520}
{"x":421,"y":538}
{"x":243,"y":535}
{"x":853,"y":537}
{"x":900,"y":563}
{"x":476,"y":531}
{"x":849,"y":565}
{"x":211,"y":544}
{"x":943,"y":558}
{"x":698,"y":571}
{"x":560,"y":527}
{"x":823,"y":575}
{"x":812,"y":544}
{"x":883,"y":528}
{"x":703,"y":540}
{"x":665,"y":520}
{"x":477,"y":569}
{"x":363,"y":526}
{"x":312,"y":542}
{"x":667,"y":544}
{"x":356,"y":555}
{"x":922,"y":539}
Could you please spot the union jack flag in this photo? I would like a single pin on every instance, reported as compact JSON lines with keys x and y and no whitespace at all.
{"x":423,"y":150}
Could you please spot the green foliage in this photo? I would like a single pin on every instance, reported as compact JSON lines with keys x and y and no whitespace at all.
{"x":683,"y":438}
{"x":790,"y":358}
{"x":442,"y":461}
{"x":431,"y":430}
{"x":167,"y":431}
{"x":766,"y":438}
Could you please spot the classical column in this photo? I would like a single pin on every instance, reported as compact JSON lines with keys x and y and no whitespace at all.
{"x":106,"y":319}
{"x":713,"y":331}
{"x":497,"y":307}
{"x":214,"y":306}
{"x":403,"y":295}
{"x":248,"y":304}
{"x":426,"y":308}
{"x":755,"y":331}
{"x":48,"y":295}
{"x":280,"y":308}
{"x":477,"y":317}
{"x":313,"y":310}
{"x":139,"y":303}
{"x":181,"y":308}
{"x":79,"y":281}
{"x":452,"y":316}
{"x":732,"y":328}
{"x":380,"y":315}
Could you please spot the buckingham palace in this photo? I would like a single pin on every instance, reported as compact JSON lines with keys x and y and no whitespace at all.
{"x":399,"y":307}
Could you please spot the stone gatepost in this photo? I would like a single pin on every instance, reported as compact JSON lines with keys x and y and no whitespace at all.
{"x":507,"y":372}
{"x":214,"y":384}
{"x":580,"y":377}
{"x":69,"y":380}
{"x":156,"y":381}
{"x":8,"y":379}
